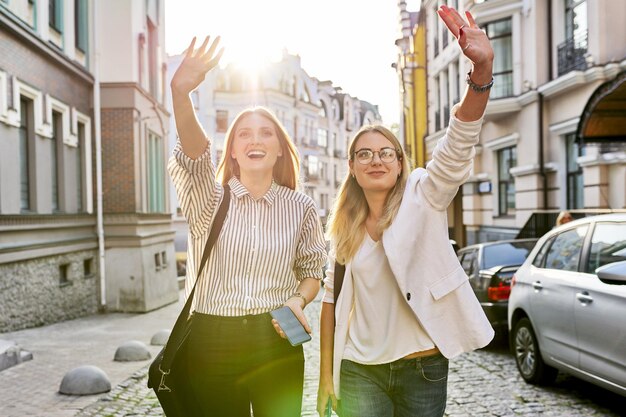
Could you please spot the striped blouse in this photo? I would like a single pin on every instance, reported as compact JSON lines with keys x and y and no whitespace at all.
{"x":266,"y":246}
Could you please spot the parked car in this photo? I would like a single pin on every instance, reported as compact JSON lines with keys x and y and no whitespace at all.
{"x":490,"y":267}
{"x":568,"y":304}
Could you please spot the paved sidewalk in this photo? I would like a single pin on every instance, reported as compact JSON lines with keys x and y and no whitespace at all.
{"x":31,"y":388}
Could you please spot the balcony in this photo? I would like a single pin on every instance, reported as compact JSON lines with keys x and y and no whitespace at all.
{"x":571,"y":54}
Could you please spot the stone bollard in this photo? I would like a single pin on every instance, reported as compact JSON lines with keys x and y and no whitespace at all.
{"x":132,"y":351}
{"x":160,"y":337}
{"x":85,"y":380}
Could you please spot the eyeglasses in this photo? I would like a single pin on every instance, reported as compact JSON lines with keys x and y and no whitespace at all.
{"x":365,"y":155}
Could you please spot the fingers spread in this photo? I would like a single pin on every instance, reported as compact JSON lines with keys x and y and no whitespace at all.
{"x":471,"y":20}
{"x":201,"y":49}
{"x":189,"y":49}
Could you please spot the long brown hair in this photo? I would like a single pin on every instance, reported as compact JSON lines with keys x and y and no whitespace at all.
{"x":287,"y":168}
{"x":345,"y":226}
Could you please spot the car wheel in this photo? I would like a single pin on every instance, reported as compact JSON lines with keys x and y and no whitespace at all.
{"x":528,"y":357}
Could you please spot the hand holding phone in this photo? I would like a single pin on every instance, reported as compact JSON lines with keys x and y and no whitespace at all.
{"x":291,"y":326}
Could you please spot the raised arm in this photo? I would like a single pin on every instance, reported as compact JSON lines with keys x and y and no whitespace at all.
{"x":476,"y":47}
{"x":451,"y":163}
{"x":191,"y":72}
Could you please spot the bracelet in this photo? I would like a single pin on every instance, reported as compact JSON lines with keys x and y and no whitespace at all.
{"x":299,"y":295}
{"x":476,"y":87}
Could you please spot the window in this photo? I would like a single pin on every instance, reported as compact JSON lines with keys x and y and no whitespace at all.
{"x":437,"y":28}
{"x":313,"y":168}
{"x":322,"y":138}
{"x":446,"y":98}
{"x":564,"y":254}
{"x":64,"y":275}
{"x":323,"y":201}
{"x":25,"y":132}
{"x":156,"y":177}
{"x":87,"y":267}
{"x":56,"y":139}
{"x":513,"y":253}
{"x":499,"y":33}
{"x":55,"y":15}
{"x":469,"y":262}
{"x":80,"y":24}
{"x":507,"y":159}
{"x":575,"y":184}
{"x":608,"y":245}
{"x":576,"y":19}
{"x":541,"y":255}
{"x":79,"y":166}
{"x":456,"y":87}
{"x":221,"y":121}
{"x":153,"y":38}
{"x":437,"y":105}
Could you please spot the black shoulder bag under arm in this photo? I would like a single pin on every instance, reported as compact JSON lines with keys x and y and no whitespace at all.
{"x":167,"y":375}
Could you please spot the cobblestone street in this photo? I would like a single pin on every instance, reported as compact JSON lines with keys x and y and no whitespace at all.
{"x":482,"y":384}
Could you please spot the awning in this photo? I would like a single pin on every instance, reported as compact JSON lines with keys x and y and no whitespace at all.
{"x":604,"y":117}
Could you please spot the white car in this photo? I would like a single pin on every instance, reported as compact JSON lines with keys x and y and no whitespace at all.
{"x":567,"y":308}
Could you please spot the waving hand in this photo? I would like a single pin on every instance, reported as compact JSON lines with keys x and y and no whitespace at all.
{"x":195,"y":65}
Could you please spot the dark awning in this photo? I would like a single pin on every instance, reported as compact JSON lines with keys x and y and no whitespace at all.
{"x":604,"y":117}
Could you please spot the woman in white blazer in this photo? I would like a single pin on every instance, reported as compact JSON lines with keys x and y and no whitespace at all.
{"x":405,"y":306}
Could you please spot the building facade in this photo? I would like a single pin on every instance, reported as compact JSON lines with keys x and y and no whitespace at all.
{"x":319,"y":117}
{"x":554,"y":135}
{"x":58,"y":227}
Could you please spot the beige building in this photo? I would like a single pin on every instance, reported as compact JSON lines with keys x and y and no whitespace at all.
{"x":554,"y":135}
{"x":84,"y":207}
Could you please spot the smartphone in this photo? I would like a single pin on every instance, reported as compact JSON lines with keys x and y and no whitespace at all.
{"x":294,"y":330}
{"x":329,"y":408}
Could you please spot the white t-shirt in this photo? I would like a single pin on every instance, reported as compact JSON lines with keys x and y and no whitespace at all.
{"x":382,"y":327}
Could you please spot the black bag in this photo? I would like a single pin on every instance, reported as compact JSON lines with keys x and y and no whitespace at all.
{"x":167,"y":375}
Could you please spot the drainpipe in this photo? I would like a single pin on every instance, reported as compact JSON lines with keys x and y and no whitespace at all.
{"x":542,"y":170}
{"x":549,"y":41}
{"x":98,"y":140}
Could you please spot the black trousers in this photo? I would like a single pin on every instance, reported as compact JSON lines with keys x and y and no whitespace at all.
{"x":235,"y":362}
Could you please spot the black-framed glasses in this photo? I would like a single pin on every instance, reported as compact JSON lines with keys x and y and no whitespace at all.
{"x":365,"y":155}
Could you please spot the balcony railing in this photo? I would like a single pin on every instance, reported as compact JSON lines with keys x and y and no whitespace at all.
{"x":571,"y":54}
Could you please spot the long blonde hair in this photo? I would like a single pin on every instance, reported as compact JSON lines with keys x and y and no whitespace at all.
{"x":287,"y":168}
{"x":345,"y":227}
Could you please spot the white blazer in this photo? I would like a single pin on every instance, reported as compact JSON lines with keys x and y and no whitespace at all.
{"x":421,"y":257}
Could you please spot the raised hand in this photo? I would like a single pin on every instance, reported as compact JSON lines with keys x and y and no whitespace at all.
{"x":473,"y":42}
{"x":195,"y":65}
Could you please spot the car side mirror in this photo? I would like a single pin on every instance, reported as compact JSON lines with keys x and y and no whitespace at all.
{"x":613,"y":273}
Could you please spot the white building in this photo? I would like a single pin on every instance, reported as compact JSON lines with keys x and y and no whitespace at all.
{"x":554,"y":135}
{"x":319,"y":117}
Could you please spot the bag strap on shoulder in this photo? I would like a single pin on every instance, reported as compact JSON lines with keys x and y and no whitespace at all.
{"x":179,"y":330}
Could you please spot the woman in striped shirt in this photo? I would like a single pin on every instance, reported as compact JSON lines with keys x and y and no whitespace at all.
{"x":270,"y":253}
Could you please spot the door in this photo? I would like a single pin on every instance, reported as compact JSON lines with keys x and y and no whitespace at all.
{"x":554,"y":287}
{"x":600,"y":308}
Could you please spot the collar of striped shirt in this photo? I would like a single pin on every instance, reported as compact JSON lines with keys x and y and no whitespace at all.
{"x":240,"y":190}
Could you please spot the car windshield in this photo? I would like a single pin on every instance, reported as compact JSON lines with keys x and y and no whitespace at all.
{"x":509,"y":253}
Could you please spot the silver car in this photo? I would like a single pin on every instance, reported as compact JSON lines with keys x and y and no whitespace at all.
{"x":567,"y":308}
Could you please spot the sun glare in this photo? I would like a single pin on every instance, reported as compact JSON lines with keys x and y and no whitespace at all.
{"x":250,"y":56}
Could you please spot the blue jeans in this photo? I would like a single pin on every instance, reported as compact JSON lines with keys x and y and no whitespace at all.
{"x":403,"y":388}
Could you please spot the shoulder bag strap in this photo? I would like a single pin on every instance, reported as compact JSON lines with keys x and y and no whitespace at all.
{"x":340,"y":271}
{"x":179,"y":332}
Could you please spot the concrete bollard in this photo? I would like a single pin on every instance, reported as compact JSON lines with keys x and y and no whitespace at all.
{"x":160,"y":337}
{"x":85,"y":380}
{"x":132,"y":351}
